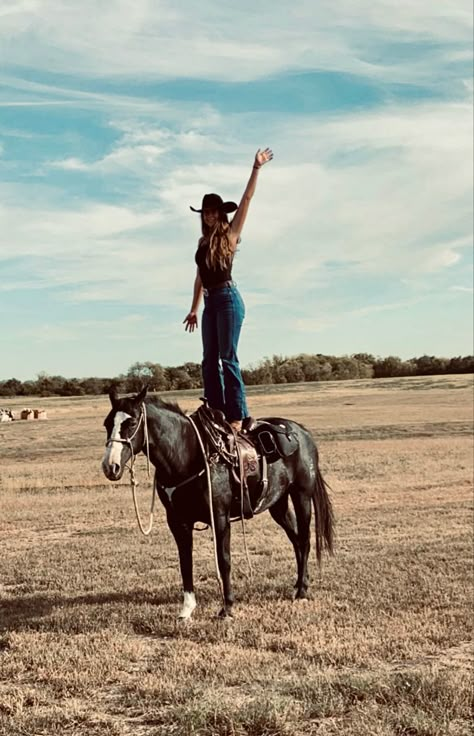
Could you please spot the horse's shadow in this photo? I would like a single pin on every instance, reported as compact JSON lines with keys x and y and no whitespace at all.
{"x":35,"y":611}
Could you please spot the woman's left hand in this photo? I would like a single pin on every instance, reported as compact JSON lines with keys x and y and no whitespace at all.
{"x":263,"y":157}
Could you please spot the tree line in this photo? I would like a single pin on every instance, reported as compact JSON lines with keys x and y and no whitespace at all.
{"x":275,"y":370}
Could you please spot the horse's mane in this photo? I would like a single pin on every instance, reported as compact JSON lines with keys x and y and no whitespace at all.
{"x":170,"y":405}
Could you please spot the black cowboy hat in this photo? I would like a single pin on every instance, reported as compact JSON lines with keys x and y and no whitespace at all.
{"x":214,"y":202}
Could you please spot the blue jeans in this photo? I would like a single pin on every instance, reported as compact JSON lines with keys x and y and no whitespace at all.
{"x":224,"y":312}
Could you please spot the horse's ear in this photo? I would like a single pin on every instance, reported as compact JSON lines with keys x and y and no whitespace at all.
{"x":141,"y":396}
{"x":113,"y":395}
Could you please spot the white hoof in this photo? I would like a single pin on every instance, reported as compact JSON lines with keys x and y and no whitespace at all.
{"x":189,"y":604}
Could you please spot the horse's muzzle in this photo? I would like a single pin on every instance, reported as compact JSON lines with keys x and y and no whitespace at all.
{"x":112,"y":471}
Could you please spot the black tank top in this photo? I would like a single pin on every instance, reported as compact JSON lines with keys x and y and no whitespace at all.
{"x":211,"y":276}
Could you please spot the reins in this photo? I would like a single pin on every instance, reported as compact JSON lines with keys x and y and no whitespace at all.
{"x":216,"y":441}
{"x":211,"y":506}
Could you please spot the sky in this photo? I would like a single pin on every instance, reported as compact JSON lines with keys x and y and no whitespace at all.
{"x":116,"y":117}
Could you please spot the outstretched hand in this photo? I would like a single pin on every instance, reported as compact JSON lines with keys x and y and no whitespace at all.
{"x":191,"y":322}
{"x":263,"y":157}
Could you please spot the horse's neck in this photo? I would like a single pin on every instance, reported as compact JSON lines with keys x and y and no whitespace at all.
{"x":172,"y":443}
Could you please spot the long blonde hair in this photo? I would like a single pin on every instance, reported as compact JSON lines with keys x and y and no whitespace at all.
{"x":220,"y":253}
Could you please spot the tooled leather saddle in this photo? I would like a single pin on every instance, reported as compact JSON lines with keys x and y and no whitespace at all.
{"x":248,"y":453}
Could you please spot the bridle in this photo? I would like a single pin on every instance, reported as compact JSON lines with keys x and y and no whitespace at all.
{"x":134,"y":483}
{"x":128,"y":441}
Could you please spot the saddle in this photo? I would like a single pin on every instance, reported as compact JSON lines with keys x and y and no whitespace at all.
{"x":272,"y":436}
{"x":247,"y":453}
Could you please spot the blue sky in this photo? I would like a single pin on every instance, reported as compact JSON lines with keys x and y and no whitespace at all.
{"x":115,"y":117}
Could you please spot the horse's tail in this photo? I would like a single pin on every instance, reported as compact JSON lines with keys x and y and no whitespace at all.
{"x":323,"y":517}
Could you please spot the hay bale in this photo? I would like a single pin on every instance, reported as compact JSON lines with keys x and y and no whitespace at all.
{"x":27,"y":414}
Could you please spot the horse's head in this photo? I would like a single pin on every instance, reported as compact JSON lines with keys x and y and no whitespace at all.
{"x":125,"y":432}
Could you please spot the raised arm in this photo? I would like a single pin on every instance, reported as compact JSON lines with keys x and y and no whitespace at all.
{"x":261,"y":158}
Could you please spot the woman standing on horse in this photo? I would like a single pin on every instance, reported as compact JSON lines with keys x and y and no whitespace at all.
{"x":224,"y":309}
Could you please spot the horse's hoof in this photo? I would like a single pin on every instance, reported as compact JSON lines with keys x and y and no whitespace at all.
{"x":301,"y":597}
{"x":187,"y":609}
{"x":181,"y":620}
{"x":225,"y":615}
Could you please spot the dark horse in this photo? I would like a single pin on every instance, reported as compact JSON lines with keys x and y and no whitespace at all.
{"x":180,"y":482}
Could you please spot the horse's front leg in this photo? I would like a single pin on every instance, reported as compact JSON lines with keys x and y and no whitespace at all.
{"x":222,"y":527}
{"x":183,"y":534}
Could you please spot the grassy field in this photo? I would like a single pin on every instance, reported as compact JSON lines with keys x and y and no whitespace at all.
{"x":89,"y":642}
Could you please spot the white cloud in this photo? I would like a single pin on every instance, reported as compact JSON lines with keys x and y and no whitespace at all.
{"x":313,"y":324}
{"x":371,"y":309}
{"x":141,"y":147}
{"x":71,"y":164}
{"x":58,"y":231}
{"x":463,"y":289}
{"x":128,"y":327}
{"x":381,"y":191}
{"x":125,"y":158}
{"x":386,"y":192}
{"x":159,"y":39}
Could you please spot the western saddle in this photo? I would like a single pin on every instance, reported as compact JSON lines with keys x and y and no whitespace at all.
{"x":247,"y":452}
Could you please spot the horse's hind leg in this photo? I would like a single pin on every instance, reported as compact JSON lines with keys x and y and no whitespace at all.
{"x":284,"y":515}
{"x":303,"y":510}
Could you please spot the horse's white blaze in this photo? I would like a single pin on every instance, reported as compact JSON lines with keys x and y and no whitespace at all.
{"x":113,"y":451}
{"x":189,"y":604}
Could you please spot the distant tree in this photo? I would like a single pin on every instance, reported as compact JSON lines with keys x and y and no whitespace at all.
{"x":141,"y":374}
{"x":366,"y":370}
{"x":429,"y":365}
{"x":393,"y":366}
{"x":71,"y":387}
{"x":93,"y":386}
{"x":47,"y":385}
{"x":158,"y":378}
{"x":261,"y":374}
{"x":461,"y":364}
{"x":178,"y":379}
{"x":290,"y":371}
{"x":277,"y":369}
{"x":345,"y":368}
{"x":364,"y":358}
{"x":194,"y":372}
{"x":315,"y":367}
{"x":29,"y":388}
{"x":11,"y":387}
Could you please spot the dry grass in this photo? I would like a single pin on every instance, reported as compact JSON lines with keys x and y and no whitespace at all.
{"x":88,"y":638}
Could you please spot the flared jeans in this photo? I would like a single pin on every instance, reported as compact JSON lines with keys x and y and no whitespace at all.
{"x":222,"y":319}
